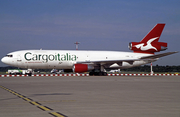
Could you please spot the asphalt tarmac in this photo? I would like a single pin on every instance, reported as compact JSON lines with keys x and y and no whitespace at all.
{"x":96,"y":96}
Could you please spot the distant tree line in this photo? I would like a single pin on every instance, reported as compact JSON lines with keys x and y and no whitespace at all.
{"x":157,"y":68}
{"x":5,"y":69}
{"x":145,"y":68}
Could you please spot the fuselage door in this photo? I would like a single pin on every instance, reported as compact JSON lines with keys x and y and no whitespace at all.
{"x":19,"y":61}
{"x":87,"y":58}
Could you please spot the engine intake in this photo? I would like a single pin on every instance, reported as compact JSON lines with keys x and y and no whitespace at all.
{"x":80,"y":68}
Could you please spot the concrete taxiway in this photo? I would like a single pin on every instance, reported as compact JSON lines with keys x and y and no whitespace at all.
{"x":99,"y":96}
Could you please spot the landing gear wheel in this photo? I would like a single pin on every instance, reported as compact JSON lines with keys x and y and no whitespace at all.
{"x":29,"y":74}
{"x":97,"y":74}
{"x":102,"y":74}
{"x":91,"y":73}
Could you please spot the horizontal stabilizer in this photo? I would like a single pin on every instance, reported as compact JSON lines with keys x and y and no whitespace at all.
{"x":158,"y":55}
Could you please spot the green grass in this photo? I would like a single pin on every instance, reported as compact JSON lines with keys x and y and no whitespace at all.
{"x":2,"y":73}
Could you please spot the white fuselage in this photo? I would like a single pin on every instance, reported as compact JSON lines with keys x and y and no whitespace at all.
{"x":65,"y":59}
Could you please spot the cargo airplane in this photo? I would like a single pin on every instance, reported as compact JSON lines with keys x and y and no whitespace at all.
{"x":96,"y":62}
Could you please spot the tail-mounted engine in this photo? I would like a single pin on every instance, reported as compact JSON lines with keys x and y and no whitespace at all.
{"x":147,"y":47}
{"x":80,"y":68}
{"x":150,"y":44}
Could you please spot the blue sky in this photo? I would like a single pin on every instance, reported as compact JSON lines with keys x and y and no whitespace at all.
{"x":96,"y":24}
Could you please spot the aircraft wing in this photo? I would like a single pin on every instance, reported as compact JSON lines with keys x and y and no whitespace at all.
{"x":127,"y":60}
{"x":107,"y":61}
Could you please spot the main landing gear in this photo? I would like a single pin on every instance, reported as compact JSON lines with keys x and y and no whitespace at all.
{"x":97,"y":73}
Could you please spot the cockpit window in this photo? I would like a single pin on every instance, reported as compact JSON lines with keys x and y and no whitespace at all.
{"x":10,"y":55}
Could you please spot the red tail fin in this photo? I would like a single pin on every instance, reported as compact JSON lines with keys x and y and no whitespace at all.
{"x":150,"y":44}
{"x":155,"y":32}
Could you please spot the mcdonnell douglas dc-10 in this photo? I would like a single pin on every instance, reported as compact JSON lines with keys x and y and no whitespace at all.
{"x":96,"y":62}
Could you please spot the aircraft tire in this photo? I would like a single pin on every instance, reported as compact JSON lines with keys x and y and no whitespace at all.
{"x":97,"y":74}
{"x":104,"y":74}
{"x":29,"y":74}
{"x":91,"y":73}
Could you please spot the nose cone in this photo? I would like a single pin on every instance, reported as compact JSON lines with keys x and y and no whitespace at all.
{"x":4,"y":60}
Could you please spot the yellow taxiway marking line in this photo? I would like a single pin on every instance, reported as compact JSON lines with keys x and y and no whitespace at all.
{"x":44,"y":108}
{"x":37,"y":104}
{"x":57,"y":114}
{"x":27,"y":99}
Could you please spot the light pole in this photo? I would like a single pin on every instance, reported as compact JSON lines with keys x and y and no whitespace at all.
{"x":151,"y":69}
{"x":77,"y":45}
